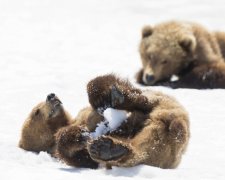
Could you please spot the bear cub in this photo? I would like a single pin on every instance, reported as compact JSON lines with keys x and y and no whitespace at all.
{"x":155,"y":131}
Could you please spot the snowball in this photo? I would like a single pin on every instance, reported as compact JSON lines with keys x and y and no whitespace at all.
{"x":174,"y":78}
{"x":113,"y":118}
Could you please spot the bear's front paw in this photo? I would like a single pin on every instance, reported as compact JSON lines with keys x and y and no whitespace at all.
{"x":167,"y":83}
{"x":73,"y":136}
{"x":99,"y":91}
{"x":106,"y":150}
{"x":117,"y":97}
{"x":111,"y":97}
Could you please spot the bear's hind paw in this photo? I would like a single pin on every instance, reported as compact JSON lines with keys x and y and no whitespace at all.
{"x":106,"y":150}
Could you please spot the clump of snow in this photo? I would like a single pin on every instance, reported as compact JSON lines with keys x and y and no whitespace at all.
{"x":113,"y":118}
{"x":174,"y":78}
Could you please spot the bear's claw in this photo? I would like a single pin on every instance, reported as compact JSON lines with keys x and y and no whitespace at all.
{"x":106,"y":150}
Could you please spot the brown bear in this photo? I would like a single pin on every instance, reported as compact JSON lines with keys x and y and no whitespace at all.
{"x":185,"y":49}
{"x":156,"y":131}
{"x":41,"y":125}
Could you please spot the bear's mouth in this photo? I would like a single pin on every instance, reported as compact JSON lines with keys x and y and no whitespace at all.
{"x":53,"y":100}
{"x":55,"y":104}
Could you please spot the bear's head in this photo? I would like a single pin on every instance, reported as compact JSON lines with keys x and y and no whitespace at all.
{"x":47,"y":110}
{"x":42,"y":123}
{"x":166,"y":50}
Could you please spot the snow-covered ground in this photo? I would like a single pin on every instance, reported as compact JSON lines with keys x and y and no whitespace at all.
{"x":58,"y":46}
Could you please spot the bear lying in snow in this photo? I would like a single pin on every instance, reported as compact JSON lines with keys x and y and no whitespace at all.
{"x":155,"y":132}
{"x":185,"y":49}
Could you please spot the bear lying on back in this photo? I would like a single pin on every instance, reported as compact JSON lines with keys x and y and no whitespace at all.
{"x":156,"y":131}
{"x":187,"y":50}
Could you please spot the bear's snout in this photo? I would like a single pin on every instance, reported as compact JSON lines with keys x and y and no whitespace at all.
{"x":148,"y":79}
{"x":50,"y":97}
{"x":53,"y":100}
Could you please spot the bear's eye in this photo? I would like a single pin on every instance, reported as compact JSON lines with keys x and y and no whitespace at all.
{"x":37,"y":112}
{"x":164,"y":62}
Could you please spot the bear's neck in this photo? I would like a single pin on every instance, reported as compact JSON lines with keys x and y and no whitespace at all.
{"x":57,"y":122}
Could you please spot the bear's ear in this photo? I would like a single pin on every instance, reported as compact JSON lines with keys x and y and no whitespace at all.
{"x":188,"y":43}
{"x":147,"y":31}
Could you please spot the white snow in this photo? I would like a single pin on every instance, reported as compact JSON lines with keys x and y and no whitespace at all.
{"x":174,"y":78}
{"x":113,"y":118}
{"x":58,"y":46}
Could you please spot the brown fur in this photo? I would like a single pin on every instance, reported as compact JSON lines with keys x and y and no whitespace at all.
{"x":156,"y":136}
{"x":88,"y":118}
{"x":72,"y":140}
{"x":220,"y":36}
{"x":41,"y":125}
{"x":72,"y":147}
{"x":177,"y":48}
{"x":100,"y":96}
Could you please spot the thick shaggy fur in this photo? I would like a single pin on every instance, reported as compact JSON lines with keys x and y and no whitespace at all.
{"x":71,"y":141}
{"x":181,"y":48}
{"x":220,"y":37}
{"x":156,"y":132}
{"x":72,"y":147}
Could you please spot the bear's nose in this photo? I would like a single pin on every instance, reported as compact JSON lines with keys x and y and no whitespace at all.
{"x":149,"y":77}
{"x":50,"y":96}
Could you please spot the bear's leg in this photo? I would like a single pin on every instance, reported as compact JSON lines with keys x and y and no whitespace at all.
{"x":110,"y":91}
{"x":146,"y":147}
{"x":168,"y":83}
{"x":71,"y":147}
{"x":207,"y":76}
{"x":160,"y":143}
